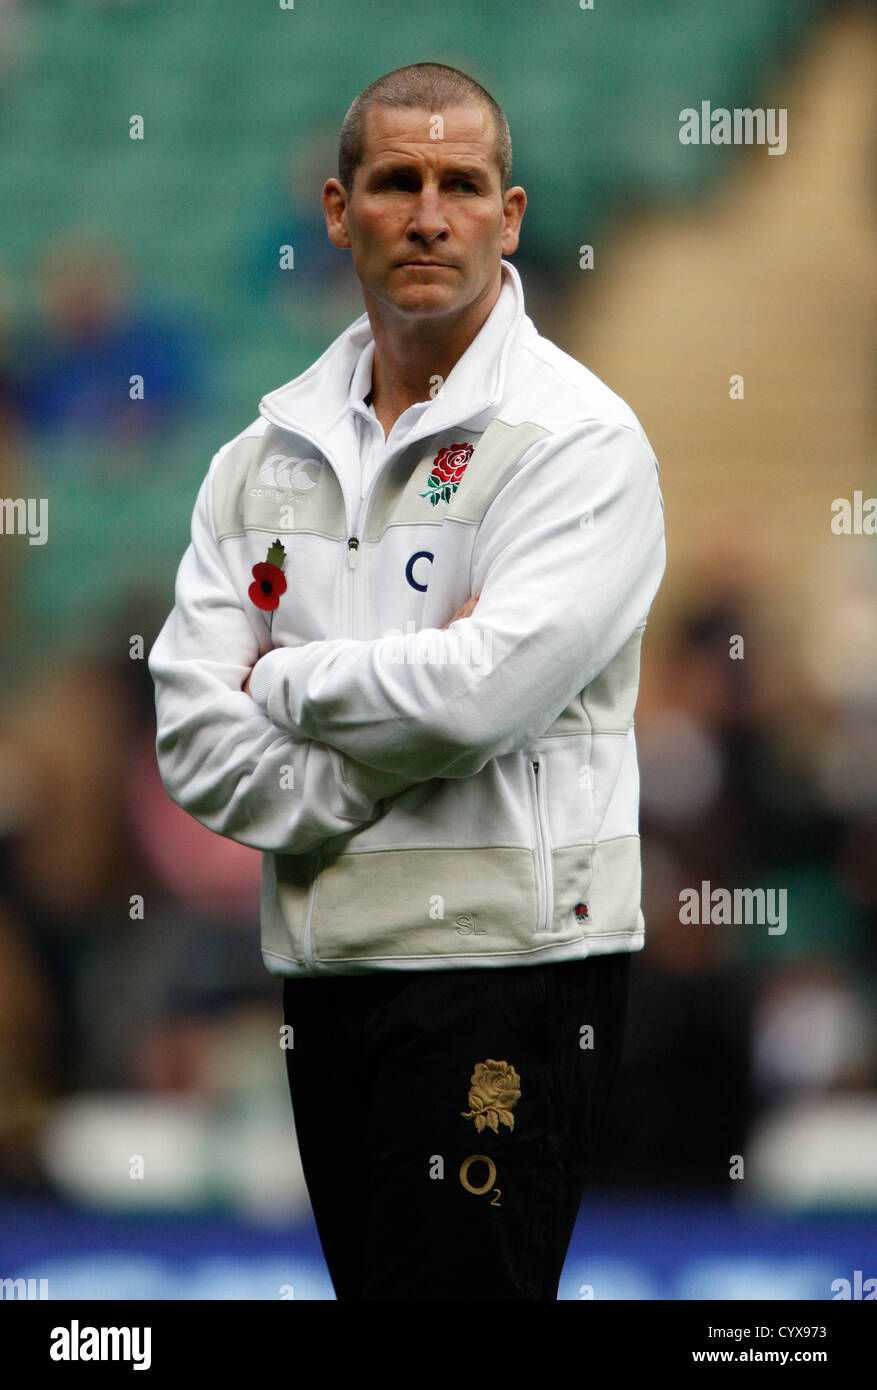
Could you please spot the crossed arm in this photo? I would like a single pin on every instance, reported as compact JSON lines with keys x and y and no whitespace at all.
{"x":463,"y":612}
{"x":287,"y":750}
{"x":567,"y":560}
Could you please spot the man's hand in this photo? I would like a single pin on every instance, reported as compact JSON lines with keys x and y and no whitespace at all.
{"x":464,"y":612}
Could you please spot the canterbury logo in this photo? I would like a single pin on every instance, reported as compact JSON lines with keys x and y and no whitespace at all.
{"x":282,"y":471}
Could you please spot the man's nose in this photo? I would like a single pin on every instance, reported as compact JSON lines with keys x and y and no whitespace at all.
{"x":428,"y":217}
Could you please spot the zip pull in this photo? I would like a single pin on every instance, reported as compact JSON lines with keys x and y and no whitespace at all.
{"x":352,"y":551}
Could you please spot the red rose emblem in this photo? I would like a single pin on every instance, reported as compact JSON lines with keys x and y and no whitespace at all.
{"x":448,"y":467}
{"x":268,"y":584}
{"x":450,"y":464}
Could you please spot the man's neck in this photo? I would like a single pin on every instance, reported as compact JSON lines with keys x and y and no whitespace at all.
{"x":412,"y":359}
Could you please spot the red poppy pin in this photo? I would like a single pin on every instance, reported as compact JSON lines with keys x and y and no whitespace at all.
{"x":268,"y":581}
{"x":448,"y":467}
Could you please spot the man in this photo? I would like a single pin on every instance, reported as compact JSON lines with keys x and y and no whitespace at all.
{"x":403,"y":662}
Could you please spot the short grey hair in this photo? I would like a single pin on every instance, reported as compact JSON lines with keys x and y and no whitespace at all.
{"x":422,"y":87}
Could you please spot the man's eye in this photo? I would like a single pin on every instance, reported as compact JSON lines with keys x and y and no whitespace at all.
{"x":403,"y":181}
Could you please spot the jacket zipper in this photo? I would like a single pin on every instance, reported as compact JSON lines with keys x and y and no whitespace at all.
{"x":543,"y":848}
{"x":352,"y":557}
{"x":353,"y":549}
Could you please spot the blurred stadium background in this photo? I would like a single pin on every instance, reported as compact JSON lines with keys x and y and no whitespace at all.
{"x":156,"y":1036}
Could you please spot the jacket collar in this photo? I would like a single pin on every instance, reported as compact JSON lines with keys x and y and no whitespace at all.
{"x":316,"y":404}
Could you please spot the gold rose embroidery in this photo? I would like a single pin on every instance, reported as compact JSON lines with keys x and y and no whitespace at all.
{"x":495,"y":1090}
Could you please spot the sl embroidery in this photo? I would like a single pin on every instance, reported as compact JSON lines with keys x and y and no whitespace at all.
{"x":269,"y":581}
{"x":448,"y":467}
{"x":495,"y":1089}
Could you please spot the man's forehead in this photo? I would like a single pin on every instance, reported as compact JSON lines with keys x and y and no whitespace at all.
{"x":452,"y":130}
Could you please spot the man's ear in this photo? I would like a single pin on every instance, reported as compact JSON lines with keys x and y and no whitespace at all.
{"x":514,"y":203}
{"x":335,"y":211}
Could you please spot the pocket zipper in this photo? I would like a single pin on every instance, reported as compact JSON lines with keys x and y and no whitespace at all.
{"x":543,"y":848}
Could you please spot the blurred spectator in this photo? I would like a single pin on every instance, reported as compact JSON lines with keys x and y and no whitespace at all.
{"x":141,"y":921}
{"x":813,"y":1031}
{"x":290,"y":261}
{"x":102,"y":367}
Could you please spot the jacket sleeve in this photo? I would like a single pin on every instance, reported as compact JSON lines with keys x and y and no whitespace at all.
{"x":220,"y":757}
{"x":569,"y":557}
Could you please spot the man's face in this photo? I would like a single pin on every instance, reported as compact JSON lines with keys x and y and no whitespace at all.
{"x":418,"y":199}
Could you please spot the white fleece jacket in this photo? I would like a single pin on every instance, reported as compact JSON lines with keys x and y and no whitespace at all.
{"x":424,"y":798}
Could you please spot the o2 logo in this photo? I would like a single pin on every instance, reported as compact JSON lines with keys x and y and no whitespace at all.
{"x":409,"y":568}
{"x":487,"y":1184}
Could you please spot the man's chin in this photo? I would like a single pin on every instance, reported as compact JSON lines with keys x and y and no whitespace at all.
{"x":422,"y":301}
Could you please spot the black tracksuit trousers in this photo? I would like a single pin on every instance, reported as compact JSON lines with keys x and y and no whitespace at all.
{"x":446,"y":1120}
